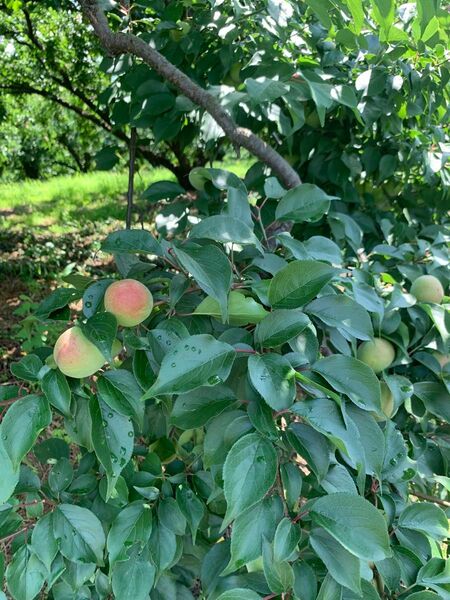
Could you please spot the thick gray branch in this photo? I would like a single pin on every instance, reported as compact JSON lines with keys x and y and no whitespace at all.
{"x":127,"y":43}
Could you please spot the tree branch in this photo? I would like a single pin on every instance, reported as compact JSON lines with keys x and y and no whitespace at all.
{"x":131,"y":163}
{"x":127,"y":43}
{"x":30,"y":31}
{"x":430,"y":498}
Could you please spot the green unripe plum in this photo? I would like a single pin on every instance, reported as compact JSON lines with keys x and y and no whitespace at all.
{"x":75,"y":355}
{"x":442,"y":359}
{"x":129,"y":301}
{"x":428,"y":288}
{"x":377,"y":354}
{"x":387,"y":403}
{"x":116,"y":347}
{"x":183,"y":28}
{"x":255,"y":565}
{"x":387,"y":400}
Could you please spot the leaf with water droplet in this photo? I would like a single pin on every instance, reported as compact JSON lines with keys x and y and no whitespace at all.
{"x":193,"y":370}
{"x":270,"y":376}
{"x":111,"y":441}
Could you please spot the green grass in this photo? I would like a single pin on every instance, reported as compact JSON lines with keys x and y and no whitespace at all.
{"x":62,"y":204}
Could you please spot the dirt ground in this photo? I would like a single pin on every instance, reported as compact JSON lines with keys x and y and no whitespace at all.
{"x":10,"y":290}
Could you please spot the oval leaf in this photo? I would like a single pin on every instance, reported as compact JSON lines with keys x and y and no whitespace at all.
{"x":298,"y":283}
{"x":252,"y":459}
{"x":352,"y":377}
{"x":199,"y":360}
{"x":355,"y":523}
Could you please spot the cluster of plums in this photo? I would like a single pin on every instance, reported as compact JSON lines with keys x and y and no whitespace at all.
{"x":130,"y":302}
{"x":379,"y":354}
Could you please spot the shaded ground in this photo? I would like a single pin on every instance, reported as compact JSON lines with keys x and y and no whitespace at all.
{"x":10,"y":290}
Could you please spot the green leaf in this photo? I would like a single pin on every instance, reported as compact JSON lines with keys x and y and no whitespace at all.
{"x":163,"y":190}
{"x":58,"y":299}
{"x":345,"y":314}
{"x":304,"y":203}
{"x":330,"y":589}
{"x":221,"y":433}
{"x":132,"y":241}
{"x":426,"y":518}
{"x":133,"y":578}
{"x":170,"y":515}
{"x":239,"y":594}
{"x":101,"y":330}
{"x":10,"y":476}
{"x":242,"y":310}
{"x":211,"y":270}
{"x":93,"y":296}
{"x":225,"y":229}
{"x":352,"y":377}
{"x":264,"y":89}
{"x":435,"y":398}
{"x":273,"y":378}
{"x":298,"y":283}
{"x":252,"y":459}
{"x":291,"y":478}
{"x":338,"y":479}
{"x":27,"y":368}
{"x":372,"y":439}
{"x":79,"y":533}
{"x":384,"y":13}
{"x":163,"y":546}
{"x":286,"y":540}
{"x":25,"y":575}
{"x":324,"y":415}
{"x":316,"y":247}
{"x":368,"y":592}
{"x":249,"y":530}
{"x":196,"y":408}
{"x":344,"y":94}
{"x":192,"y":508}
{"x":112,"y":438}
{"x":355,"y":523}
{"x":60,"y":476}
{"x":196,"y":361}
{"x":343,"y":566}
{"x":132,"y":525}
{"x":279,"y":574}
{"x":22,"y":424}
{"x":305,"y":584}
{"x":357,"y":13}
{"x":120,"y":390}
{"x":43,"y":541}
{"x":312,"y":446}
{"x":57,"y":390}
{"x":279,"y":327}
{"x":423,"y":596}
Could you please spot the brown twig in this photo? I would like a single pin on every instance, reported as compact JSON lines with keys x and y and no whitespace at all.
{"x":430,"y":498}
{"x":131,"y":165}
{"x":15,"y":534}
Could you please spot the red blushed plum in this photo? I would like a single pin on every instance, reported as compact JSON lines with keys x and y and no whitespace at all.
{"x":129,"y":301}
{"x":75,"y":355}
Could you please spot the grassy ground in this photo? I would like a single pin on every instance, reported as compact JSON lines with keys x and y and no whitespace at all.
{"x":63,"y":204}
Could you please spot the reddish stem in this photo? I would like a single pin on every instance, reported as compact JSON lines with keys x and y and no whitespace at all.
{"x":299,"y":516}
